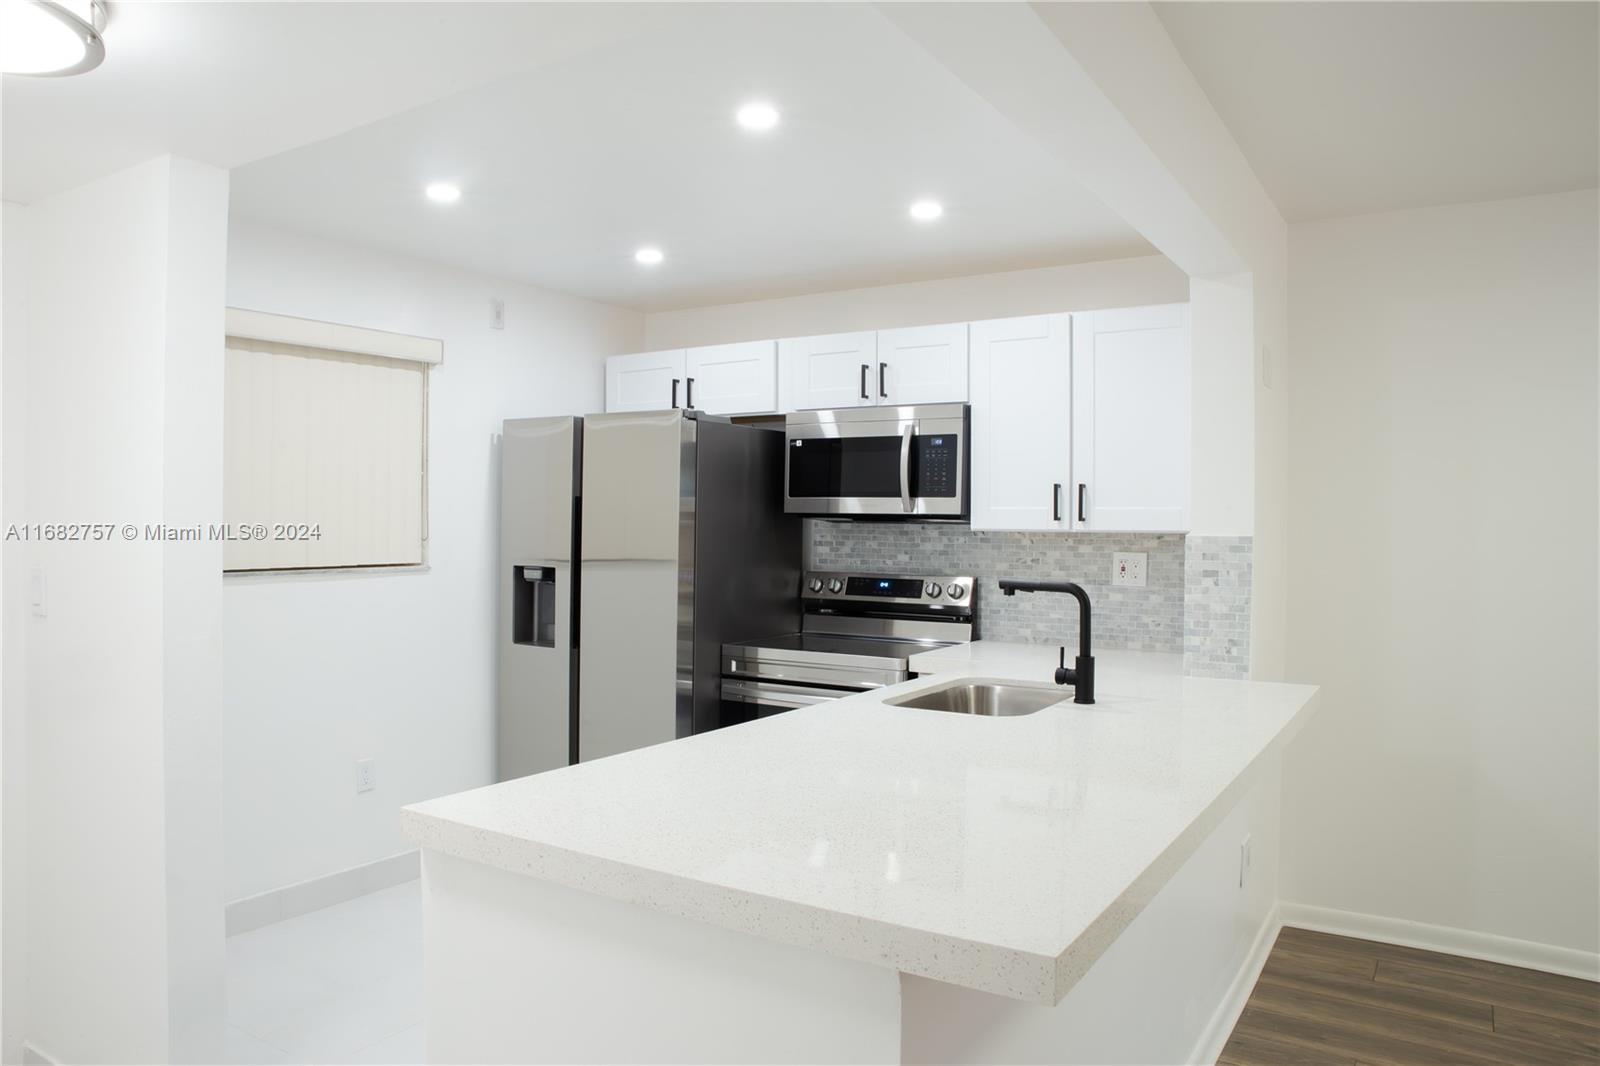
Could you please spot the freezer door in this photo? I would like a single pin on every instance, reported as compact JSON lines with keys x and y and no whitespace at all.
{"x":537,"y":698}
{"x":635,"y":647}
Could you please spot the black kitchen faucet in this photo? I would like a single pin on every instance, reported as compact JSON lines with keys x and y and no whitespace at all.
{"x":1081,"y":676}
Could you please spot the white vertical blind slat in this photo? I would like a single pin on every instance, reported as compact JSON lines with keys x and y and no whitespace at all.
{"x":327,"y":439}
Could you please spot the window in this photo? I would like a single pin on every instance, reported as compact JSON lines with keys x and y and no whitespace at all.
{"x":324,"y":445}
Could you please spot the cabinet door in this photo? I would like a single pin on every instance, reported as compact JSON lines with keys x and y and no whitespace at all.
{"x":923,"y":364}
{"x":648,"y":381}
{"x":1022,"y":422}
{"x":1130,"y":385}
{"x":733,"y":379}
{"x":838,"y":370}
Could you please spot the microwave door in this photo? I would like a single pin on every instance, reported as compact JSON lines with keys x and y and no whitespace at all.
{"x":848,"y":475}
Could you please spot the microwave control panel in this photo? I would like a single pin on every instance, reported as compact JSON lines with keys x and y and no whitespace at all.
{"x":938,"y":464}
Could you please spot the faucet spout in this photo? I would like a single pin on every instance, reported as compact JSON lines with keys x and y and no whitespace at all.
{"x":1081,"y":676}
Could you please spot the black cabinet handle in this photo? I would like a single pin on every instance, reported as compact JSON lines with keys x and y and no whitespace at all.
{"x":864,"y":369}
{"x":1055,"y":502}
{"x":688,"y":393}
{"x":1082,"y":488}
{"x":883,"y":392}
{"x":674,"y":394}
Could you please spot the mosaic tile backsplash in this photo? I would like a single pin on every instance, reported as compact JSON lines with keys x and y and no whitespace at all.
{"x":1216,"y":622}
{"x":1143,"y":619}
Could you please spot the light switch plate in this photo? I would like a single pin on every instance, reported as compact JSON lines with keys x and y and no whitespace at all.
{"x":36,"y":591}
{"x":1127,"y":569}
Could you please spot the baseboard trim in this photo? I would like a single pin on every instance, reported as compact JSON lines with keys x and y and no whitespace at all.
{"x":1441,"y":938}
{"x":276,"y":905}
{"x":1215,"y":1035}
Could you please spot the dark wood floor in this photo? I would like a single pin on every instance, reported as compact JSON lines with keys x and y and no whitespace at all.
{"x":1331,"y":999}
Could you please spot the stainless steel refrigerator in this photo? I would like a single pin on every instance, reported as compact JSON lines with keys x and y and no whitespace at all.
{"x":632,"y":546}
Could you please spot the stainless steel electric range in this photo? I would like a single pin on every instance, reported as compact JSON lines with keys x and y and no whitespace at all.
{"x":857,"y":632}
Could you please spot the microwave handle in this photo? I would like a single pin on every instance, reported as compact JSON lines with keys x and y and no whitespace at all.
{"x":905,"y":466}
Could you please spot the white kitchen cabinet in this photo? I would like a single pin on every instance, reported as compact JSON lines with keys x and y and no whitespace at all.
{"x":922,"y":364}
{"x":1021,"y":422}
{"x":722,"y":379}
{"x":837,"y":370}
{"x":1130,"y":419}
{"x":648,"y":381}
{"x":732,"y":379}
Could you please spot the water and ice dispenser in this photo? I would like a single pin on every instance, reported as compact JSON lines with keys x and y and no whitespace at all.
{"x":533,"y":606}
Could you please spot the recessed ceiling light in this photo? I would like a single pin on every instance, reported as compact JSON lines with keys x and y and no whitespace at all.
{"x":926,"y":210}
{"x":51,"y":37}
{"x":757,"y":116}
{"x":442,"y":192}
{"x":648,"y":256}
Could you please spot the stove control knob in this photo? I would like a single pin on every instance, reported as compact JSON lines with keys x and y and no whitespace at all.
{"x":932,"y":589}
{"x":815,"y":584}
{"x":835,"y":586}
{"x":957,"y":591}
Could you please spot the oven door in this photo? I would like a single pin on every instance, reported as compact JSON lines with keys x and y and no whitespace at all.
{"x":757,"y":699}
{"x":883,"y":461}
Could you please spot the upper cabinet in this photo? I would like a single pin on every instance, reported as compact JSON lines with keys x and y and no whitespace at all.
{"x":722,"y":379}
{"x":649,"y":381}
{"x":1022,"y":423}
{"x":838,"y":370}
{"x":733,"y":379}
{"x":923,"y":364}
{"x":1130,"y":419}
{"x":1079,"y":421}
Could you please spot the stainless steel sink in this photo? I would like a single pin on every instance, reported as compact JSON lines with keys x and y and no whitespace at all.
{"x":986,"y":696}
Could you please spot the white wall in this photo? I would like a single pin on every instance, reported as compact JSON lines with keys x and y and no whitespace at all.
{"x":398,"y":667}
{"x":1080,"y":287}
{"x":1443,"y":576}
{"x":13,"y":622}
{"x":123,"y":315}
{"x":1222,"y":496}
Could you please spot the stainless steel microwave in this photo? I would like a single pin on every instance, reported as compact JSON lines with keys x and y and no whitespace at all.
{"x":906,"y":462}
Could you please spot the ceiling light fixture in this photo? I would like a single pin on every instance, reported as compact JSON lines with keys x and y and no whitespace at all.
{"x":757,"y":116}
{"x":648,"y":256}
{"x":51,"y":38}
{"x":442,"y":192}
{"x":926,"y":210}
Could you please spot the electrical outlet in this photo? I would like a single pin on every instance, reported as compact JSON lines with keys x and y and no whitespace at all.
{"x":1244,"y":860}
{"x":366,"y":775}
{"x":497,"y":314}
{"x":1127,"y":568}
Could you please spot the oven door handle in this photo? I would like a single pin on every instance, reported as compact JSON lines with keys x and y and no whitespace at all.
{"x":771,"y":695}
{"x":905,"y":465}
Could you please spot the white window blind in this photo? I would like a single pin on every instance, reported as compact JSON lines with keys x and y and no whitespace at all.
{"x":324,"y":451}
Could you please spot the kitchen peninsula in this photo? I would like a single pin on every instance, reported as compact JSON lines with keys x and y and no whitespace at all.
{"x":827,"y":885}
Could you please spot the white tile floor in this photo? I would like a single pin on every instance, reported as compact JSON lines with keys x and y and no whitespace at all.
{"x":339,"y":985}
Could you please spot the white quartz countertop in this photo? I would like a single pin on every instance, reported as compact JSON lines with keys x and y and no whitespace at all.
{"x":1001,"y":854}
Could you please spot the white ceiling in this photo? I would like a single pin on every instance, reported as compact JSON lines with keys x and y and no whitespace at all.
{"x":1345,"y":108}
{"x":567,"y":169}
{"x":581,"y":131}
{"x":226,"y":83}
